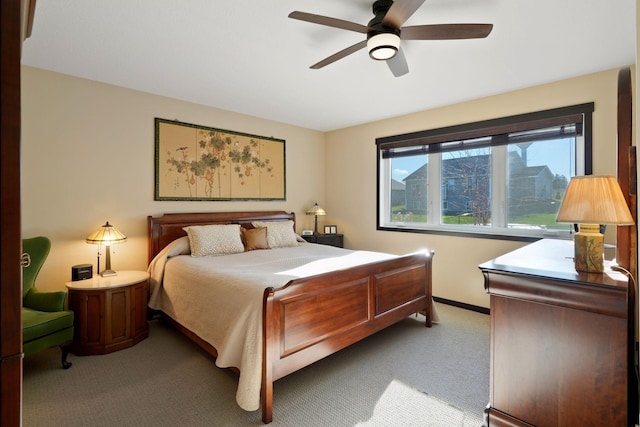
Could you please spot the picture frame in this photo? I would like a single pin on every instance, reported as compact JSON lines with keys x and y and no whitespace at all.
{"x":330,"y":229}
{"x":200,"y":163}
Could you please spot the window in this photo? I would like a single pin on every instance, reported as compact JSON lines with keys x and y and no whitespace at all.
{"x":502,"y":178}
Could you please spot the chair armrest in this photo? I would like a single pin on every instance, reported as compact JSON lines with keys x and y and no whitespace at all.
{"x":45,"y":300}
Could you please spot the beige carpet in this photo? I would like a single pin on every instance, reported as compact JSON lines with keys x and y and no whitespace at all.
{"x":406,"y":375}
{"x":402,"y":405}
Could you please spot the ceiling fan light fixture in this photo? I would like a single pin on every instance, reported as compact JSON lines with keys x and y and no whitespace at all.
{"x":385,"y":28}
{"x":383,"y":46}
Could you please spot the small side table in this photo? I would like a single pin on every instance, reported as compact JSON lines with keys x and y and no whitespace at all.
{"x":326,"y":239}
{"x":110,"y":313}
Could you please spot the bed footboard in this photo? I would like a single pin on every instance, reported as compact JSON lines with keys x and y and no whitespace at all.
{"x":311,"y":318}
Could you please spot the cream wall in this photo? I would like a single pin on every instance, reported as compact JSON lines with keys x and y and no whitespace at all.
{"x":88,"y":157}
{"x":73,"y":127}
{"x":351,"y":176}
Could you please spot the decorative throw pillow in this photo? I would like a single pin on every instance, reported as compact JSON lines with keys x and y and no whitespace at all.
{"x":255,"y":238}
{"x":215,"y":239}
{"x":280,"y":234}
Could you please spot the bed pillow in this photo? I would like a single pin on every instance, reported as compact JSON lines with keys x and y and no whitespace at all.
{"x":215,"y":239}
{"x":255,"y":238}
{"x":179,"y":246}
{"x":280,"y":234}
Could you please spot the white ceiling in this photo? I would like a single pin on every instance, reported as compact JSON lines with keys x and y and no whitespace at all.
{"x":248,"y":56}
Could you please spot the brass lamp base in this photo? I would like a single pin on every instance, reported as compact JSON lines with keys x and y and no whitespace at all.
{"x":107,"y":268}
{"x":108,"y":273}
{"x":589,"y":249}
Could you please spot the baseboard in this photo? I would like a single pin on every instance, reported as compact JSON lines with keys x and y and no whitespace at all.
{"x":464,"y":305}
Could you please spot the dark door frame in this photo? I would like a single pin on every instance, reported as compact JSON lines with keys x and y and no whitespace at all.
{"x":16,"y":19}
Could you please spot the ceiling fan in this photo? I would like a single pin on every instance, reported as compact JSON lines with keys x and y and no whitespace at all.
{"x":385,"y":31}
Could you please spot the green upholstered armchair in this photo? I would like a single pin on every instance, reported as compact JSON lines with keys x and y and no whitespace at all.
{"x":45,"y":322}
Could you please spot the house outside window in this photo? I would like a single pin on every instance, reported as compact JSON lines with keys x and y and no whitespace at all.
{"x":502,"y":178}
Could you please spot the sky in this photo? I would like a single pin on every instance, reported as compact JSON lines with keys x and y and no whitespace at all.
{"x":556,"y":154}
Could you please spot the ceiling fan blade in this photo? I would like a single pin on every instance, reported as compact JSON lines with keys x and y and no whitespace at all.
{"x":398,"y":64}
{"x":331,"y":22}
{"x":446,"y":31}
{"x":336,"y":56}
{"x":400,"y":11}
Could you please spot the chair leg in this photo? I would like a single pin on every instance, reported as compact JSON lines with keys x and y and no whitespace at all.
{"x":65,"y":353}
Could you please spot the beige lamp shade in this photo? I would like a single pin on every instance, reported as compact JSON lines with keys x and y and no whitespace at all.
{"x":316,"y":210}
{"x":106,"y":235}
{"x":594,"y":199}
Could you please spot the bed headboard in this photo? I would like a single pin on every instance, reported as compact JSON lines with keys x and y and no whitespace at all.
{"x":165,"y":229}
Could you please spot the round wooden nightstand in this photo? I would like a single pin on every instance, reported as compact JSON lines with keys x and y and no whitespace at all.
{"x":110,"y":313}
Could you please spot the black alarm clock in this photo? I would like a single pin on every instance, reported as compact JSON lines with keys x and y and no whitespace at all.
{"x":81,"y":272}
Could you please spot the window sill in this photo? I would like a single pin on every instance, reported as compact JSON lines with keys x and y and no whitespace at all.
{"x":479,"y":232}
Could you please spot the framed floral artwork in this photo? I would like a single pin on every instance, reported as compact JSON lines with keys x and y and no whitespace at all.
{"x":194,"y":162}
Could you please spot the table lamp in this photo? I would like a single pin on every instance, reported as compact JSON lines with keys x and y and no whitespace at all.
{"x":317,"y":211}
{"x":590,"y":201}
{"x":106,"y":235}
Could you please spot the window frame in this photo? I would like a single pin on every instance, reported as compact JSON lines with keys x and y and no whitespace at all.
{"x":437,"y":140}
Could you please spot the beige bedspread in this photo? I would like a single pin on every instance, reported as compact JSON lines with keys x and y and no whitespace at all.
{"x":220,"y":297}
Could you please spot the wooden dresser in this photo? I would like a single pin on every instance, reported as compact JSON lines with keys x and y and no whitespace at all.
{"x":562,"y":342}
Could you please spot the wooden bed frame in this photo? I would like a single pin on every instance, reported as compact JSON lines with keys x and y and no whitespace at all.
{"x":311,"y":318}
